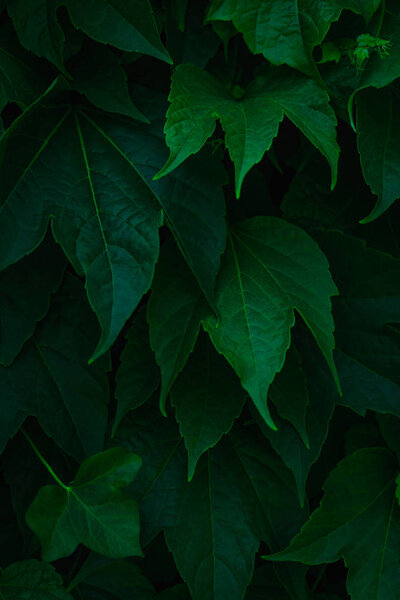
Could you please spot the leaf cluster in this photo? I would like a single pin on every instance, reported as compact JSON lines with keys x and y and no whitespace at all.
{"x":200,"y":299}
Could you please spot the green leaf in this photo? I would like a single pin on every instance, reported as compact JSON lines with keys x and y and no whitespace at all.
{"x":286,"y":31}
{"x":158,"y":485}
{"x":138,"y":376}
{"x":358,"y":520}
{"x":25,"y":291}
{"x":129,"y":26}
{"x":36,"y":24}
{"x":286,"y":441}
{"x":33,"y":580}
{"x":378,"y":136}
{"x":368,"y":347}
{"x":103,"y":579}
{"x":93,"y":510}
{"x":289,"y":393}
{"x":97,"y":73}
{"x":207,"y":398}
{"x":51,"y":379}
{"x":174,"y":312}
{"x":270,"y":269}
{"x":106,"y":221}
{"x":266,"y":584}
{"x":250,"y":125}
{"x":20,"y":79}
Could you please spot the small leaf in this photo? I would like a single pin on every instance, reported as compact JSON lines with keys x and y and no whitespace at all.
{"x":207,"y":398}
{"x":33,"y":580}
{"x":270,"y":269}
{"x":93,"y":510}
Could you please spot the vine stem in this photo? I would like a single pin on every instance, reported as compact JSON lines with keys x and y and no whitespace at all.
{"x":380,"y":22}
{"x":44,"y":461}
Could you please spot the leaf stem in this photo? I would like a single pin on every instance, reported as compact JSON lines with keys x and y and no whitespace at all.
{"x":44,"y":461}
{"x":380,"y":22}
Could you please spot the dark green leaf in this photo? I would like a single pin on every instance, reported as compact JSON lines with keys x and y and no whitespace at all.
{"x":138,"y":375}
{"x":51,"y":379}
{"x":175,"y":309}
{"x":207,"y":397}
{"x":358,"y":519}
{"x":129,"y":26}
{"x":270,"y":269}
{"x":25,"y":290}
{"x":32,"y":580}
{"x":94,"y":509}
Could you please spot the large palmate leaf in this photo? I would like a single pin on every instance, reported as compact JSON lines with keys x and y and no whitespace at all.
{"x":129,"y":26}
{"x":286,"y":31}
{"x":270,"y":269}
{"x":94,"y":509}
{"x":32,"y":580}
{"x":368,"y":346}
{"x":174,"y":312}
{"x":36,"y":24}
{"x":138,"y":375}
{"x":359,"y":520}
{"x":51,"y":379}
{"x":25,"y":290}
{"x":104,"y":215}
{"x":378,"y":137}
{"x":101,"y":578}
{"x":250,"y":124}
{"x":207,"y":398}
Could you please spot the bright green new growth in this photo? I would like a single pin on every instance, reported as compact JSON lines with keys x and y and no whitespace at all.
{"x":251,"y":123}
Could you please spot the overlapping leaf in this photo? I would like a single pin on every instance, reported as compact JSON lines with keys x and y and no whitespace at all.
{"x":250,"y":124}
{"x":93,"y":510}
{"x":51,"y":379}
{"x":358,"y":520}
{"x":270,"y":269}
{"x":32,"y":579}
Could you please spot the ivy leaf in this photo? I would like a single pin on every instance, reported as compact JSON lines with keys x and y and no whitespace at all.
{"x":207,"y":399}
{"x":101,"y":578}
{"x":130,"y":27}
{"x":378,"y":136}
{"x":32,"y":579}
{"x":174,"y":312}
{"x":138,"y":376}
{"x":97,"y":73}
{"x":51,"y":379}
{"x":250,"y":125}
{"x":25,"y":291}
{"x":36,"y":24}
{"x":270,"y":269}
{"x":93,"y":510}
{"x":341,"y":526}
{"x":106,"y":221}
